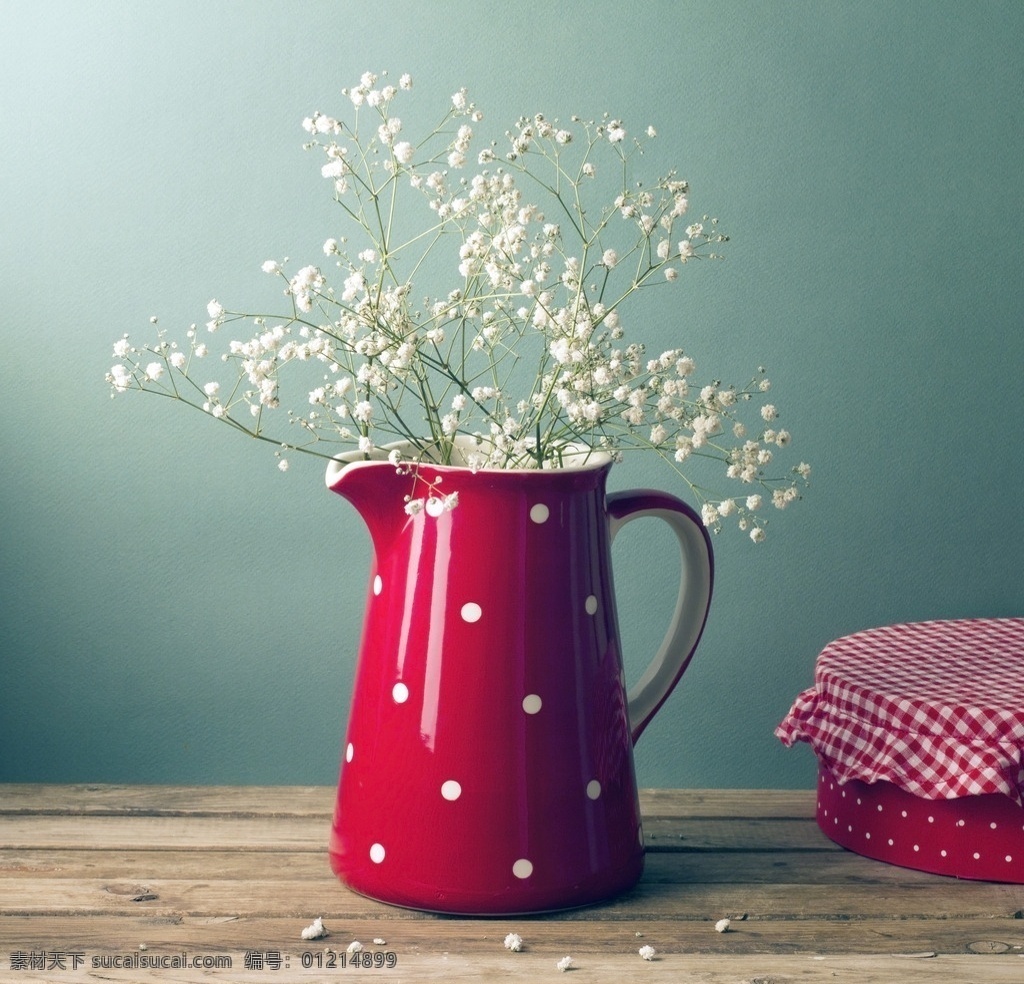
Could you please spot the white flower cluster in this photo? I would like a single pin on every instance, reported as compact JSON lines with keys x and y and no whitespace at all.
{"x":525,"y":351}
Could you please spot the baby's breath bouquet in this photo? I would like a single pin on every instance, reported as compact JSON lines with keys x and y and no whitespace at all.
{"x":539,"y":239}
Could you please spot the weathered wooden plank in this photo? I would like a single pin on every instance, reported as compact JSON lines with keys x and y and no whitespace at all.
{"x":683,"y":868}
{"x":734,"y":833}
{"x":166,"y":832}
{"x":738,"y":803}
{"x":840,"y":870}
{"x":410,"y":933}
{"x":318,"y":801}
{"x":310,"y":833}
{"x":113,"y":800}
{"x":652,"y":898}
{"x":61,"y":863}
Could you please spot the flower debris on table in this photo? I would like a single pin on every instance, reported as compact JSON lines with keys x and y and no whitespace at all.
{"x":315,"y":930}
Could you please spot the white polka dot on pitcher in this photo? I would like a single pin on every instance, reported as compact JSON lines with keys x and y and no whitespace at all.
{"x":378,"y":585}
{"x":471,"y":612}
{"x":539,"y":513}
{"x":377,"y":853}
{"x":451,"y":790}
{"x":522,"y":868}
{"x":591,"y":604}
{"x":532,"y":703}
{"x":400,"y":693}
{"x":349,"y":752}
{"x":593,"y":789}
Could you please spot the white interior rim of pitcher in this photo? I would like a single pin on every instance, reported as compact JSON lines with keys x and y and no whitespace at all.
{"x":575,"y":457}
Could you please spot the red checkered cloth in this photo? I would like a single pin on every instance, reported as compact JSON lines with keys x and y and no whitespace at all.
{"x":936,"y":708}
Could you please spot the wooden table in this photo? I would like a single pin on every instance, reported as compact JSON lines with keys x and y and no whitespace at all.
{"x":95,"y":878}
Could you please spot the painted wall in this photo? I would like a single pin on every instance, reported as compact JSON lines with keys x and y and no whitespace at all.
{"x":174,"y":609}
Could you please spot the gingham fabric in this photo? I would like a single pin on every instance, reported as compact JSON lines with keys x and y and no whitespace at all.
{"x":936,"y":708}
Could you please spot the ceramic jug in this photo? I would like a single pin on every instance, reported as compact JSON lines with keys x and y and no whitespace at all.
{"x":488,"y":763}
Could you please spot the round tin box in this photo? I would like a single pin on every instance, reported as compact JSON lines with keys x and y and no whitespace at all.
{"x":919,"y":733}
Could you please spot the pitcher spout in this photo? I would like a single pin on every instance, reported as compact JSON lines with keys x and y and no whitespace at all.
{"x":377,"y":491}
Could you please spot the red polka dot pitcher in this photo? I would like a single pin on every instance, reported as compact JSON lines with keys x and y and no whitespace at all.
{"x":488,"y":764}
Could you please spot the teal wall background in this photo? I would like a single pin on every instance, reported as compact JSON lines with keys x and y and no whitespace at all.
{"x":174,"y":609}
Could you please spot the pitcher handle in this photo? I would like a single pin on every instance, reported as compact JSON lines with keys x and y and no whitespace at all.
{"x":692,"y":604}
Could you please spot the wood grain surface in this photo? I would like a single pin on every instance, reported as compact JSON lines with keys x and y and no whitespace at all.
{"x":217,"y":883}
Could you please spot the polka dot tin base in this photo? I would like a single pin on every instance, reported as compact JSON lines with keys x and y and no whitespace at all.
{"x":488,"y":764}
{"x":977,"y":837}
